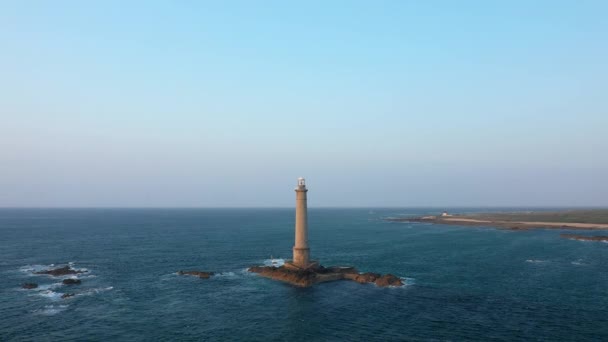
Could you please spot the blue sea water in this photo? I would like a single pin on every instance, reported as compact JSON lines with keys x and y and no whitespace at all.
{"x":462,"y":283}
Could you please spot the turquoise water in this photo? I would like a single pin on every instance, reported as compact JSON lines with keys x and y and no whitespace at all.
{"x":463,"y":283}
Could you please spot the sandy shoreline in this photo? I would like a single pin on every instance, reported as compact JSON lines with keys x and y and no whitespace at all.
{"x":505,"y":224}
{"x":531,"y":224}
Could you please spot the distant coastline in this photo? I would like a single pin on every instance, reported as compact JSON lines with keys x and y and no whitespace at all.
{"x":595,"y":219}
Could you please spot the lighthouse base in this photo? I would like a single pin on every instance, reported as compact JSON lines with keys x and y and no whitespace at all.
{"x":312,"y":265}
{"x":301,"y":256}
{"x":298,"y":276}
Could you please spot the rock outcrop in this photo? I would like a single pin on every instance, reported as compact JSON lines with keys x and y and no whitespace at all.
{"x":61,"y":271}
{"x":200,"y":274}
{"x":388,"y":280}
{"x":67,"y":295}
{"x":71,"y":281}
{"x":363,"y":278}
{"x":302,"y":278}
{"x":311,"y":276}
{"x":29,"y":286}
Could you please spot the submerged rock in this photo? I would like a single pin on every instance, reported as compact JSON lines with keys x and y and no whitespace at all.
{"x":71,"y":281}
{"x":61,"y":271}
{"x":29,"y":286}
{"x":200,"y":274}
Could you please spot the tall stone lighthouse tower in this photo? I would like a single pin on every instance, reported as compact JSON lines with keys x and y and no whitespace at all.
{"x":301,"y":252}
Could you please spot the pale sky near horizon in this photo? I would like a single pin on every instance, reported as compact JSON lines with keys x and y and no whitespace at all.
{"x":376,"y":103}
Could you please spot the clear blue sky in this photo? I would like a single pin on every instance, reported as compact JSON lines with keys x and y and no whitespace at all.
{"x":377,"y":103}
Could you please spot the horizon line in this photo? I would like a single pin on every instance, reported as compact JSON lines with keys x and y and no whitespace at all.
{"x":320,"y":207}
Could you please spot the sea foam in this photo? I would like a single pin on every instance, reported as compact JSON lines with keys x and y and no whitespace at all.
{"x":50,"y":310}
{"x":95,"y":291}
{"x":50,"y":294}
{"x":225,"y":275}
{"x":274,"y":262}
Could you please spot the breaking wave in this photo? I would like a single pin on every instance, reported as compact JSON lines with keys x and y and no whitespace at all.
{"x":50,"y":310}
{"x":225,"y":275}
{"x":47,"y":287}
{"x":55,"y":291}
{"x":274,"y":262}
{"x":50,"y":294}
{"x":95,"y":291}
{"x":245,"y":271}
{"x":578,"y":262}
{"x":31,"y":269}
{"x":536,"y":261}
{"x":408,"y":281}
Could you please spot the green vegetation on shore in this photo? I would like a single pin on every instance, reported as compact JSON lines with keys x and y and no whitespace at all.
{"x":570,"y":216}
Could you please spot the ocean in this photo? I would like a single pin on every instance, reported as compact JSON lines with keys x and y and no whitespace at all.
{"x":462,"y":283}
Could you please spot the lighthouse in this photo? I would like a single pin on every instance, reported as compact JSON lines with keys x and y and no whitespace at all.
{"x":301,"y":251}
{"x":301,"y":271}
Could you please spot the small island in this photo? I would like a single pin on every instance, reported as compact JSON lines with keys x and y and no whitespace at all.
{"x":61,"y":271}
{"x":592,"y":219}
{"x":302,"y":271}
{"x":314,"y":275}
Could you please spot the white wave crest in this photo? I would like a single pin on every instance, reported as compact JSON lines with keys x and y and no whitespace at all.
{"x":34,"y":268}
{"x":30,"y":270}
{"x":95,"y":291}
{"x":225,"y":275}
{"x":50,"y":294}
{"x":245,"y":271}
{"x":48,"y":286}
{"x":274,"y":262}
{"x":536,"y":261}
{"x":86,"y":276}
{"x":408,"y":281}
{"x":50,"y":310}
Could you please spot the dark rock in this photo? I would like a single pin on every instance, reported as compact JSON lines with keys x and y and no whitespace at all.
{"x":61,"y":271}
{"x":342,"y":270}
{"x":301,"y":278}
{"x":67,"y":295}
{"x":388,"y":280}
{"x":29,"y":286}
{"x":71,"y":281}
{"x":200,"y":274}
{"x":310,"y":276}
{"x":260,"y":269}
{"x":366,"y":277}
